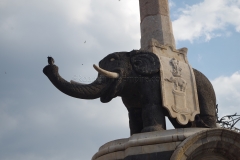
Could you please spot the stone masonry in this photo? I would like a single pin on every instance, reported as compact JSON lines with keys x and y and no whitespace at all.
{"x":155,"y":23}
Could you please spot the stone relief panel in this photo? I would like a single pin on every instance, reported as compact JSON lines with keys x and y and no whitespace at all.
{"x":179,"y":88}
{"x":178,"y":85}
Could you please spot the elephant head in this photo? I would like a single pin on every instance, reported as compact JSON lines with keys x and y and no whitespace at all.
{"x":117,"y":73}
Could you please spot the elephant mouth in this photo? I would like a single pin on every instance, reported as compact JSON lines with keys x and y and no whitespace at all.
{"x":113,"y":90}
{"x":113,"y":79}
{"x":109,"y":93}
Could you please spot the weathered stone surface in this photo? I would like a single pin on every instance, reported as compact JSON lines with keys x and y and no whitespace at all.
{"x":151,"y":156}
{"x":133,"y":151}
{"x":211,"y":144}
{"x":155,"y":23}
{"x":189,"y":132}
{"x":195,"y":144}
{"x":153,"y":7}
{"x":145,"y":144}
{"x":112,"y":156}
{"x":120,"y":155}
{"x":193,"y":147}
{"x":159,"y":147}
{"x":158,"y":27}
{"x":116,"y":146}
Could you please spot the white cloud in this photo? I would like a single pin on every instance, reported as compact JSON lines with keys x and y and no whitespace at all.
{"x":171,"y":3}
{"x":228,"y":94}
{"x":205,"y":19}
{"x":78,"y":11}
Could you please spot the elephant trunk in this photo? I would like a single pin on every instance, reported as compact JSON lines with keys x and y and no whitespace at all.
{"x":74,"y":89}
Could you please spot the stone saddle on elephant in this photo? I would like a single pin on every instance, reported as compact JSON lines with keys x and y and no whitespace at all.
{"x":135,"y":77}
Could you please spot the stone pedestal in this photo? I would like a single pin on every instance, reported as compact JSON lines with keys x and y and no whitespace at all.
{"x":176,"y":144}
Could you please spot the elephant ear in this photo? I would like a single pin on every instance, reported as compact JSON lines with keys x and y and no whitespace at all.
{"x":145,"y":63}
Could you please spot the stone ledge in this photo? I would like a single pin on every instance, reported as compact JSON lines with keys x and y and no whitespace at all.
{"x":143,"y":143}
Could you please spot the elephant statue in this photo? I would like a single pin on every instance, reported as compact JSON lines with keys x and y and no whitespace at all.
{"x":134,"y":76}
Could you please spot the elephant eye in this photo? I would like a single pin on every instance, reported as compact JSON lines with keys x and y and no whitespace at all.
{"x":137,"y":63}
{"x":112,"y":59}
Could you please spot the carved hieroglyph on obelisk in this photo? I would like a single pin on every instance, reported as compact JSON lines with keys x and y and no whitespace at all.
{"x":178,"y":85}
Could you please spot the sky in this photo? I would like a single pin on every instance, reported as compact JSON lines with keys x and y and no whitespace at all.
{"x":38,"y":122}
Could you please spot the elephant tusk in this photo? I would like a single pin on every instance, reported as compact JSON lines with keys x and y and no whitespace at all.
{"x":74,"y":82}
{"x":106,"y":73}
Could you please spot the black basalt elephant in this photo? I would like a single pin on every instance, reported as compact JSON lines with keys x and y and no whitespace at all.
{"x":134,"y":76}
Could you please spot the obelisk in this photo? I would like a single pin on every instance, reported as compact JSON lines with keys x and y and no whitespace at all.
{"x":155,"y":23}
{"x":175,"y":71}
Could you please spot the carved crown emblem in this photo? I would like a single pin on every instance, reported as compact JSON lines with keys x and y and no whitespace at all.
{"x":176,"y":68}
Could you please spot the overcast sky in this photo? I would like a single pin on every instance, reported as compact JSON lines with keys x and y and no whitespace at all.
{"x":38,"y":122}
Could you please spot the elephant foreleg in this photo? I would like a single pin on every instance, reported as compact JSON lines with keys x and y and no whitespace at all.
{"x":152,"y":110}
{"x":135,"y":120}
{"x":153,"y":118}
